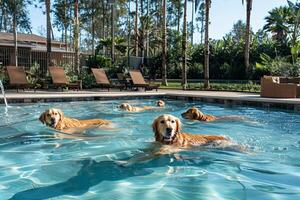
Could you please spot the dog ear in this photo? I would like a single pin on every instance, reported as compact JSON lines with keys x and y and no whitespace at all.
{"x":61,"y":114}
{"x":43,"y":117}
{"x":155,"y":130}
{"x":178,"y":125}
{"x":196,"y":115}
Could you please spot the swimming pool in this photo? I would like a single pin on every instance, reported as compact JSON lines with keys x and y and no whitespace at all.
{"x":36,"y":165}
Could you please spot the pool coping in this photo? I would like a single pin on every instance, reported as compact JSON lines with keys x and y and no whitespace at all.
{"x":227,"y":98}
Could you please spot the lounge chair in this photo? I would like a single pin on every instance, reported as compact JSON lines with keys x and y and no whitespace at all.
{"x":139,"y":81}
{"x":59,"y":79}
{"x":101,"y":78}
{"x":17,"y":77}
{"x":271,"y":87}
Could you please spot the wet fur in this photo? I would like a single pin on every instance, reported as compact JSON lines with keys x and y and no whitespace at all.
{"x":65,"y":122}
{"x":183,"y":139}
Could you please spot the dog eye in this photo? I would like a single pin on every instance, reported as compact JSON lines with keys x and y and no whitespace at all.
{"x":55,"y":113}
{"x":162,"y":122}
{"x":173,"y":121}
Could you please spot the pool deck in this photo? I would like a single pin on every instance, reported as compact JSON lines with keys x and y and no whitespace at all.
{"x":228,"y":98}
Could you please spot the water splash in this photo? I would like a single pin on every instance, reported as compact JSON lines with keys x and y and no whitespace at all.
{"x":3,"y":94}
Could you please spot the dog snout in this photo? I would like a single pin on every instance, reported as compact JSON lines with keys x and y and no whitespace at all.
{"x":52,"y":120}
{"x":169,"y":131}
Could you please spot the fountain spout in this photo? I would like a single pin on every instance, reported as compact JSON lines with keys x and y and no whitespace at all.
{"x":3,"y":94}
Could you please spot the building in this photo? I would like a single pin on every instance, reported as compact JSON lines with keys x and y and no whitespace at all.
{"x":32,"y":50}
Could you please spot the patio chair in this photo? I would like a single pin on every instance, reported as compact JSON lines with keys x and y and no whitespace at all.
{"x":101,"y":78}
{"x":17,"y":77}
{"x":59,"y":79}
{"x":271,"y":87}
{"x":139,"y":81}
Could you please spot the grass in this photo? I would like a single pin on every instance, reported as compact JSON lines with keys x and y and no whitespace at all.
{"x":236,"y":87}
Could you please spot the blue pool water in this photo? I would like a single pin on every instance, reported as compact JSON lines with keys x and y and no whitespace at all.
{"x":36,"y":165}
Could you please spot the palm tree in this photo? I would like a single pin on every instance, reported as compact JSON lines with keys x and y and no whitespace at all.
{"x":164,"y":44}
{"x":277,"y":23}
{"x":184,"y":47}
{"x":247,"y":34}
{"x":206,"y":53}
{"x":48,"y":5}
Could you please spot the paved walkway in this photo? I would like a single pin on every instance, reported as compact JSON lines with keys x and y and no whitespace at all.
{"x":210,"y":96}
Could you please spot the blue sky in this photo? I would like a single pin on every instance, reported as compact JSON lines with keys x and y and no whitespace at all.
{"x":224,"y":13}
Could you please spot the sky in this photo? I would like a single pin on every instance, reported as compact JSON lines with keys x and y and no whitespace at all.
{"x":224,"y":13}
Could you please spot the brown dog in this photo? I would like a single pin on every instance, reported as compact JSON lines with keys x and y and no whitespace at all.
{"x":160,"y":103}
{"x":167,"y":129}
{"x":195,"y":114}
{"x":55,"y":118}
{"x":130,"y":108}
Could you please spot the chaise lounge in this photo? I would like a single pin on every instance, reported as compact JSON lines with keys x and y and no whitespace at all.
{"x":17,"y":77}
{"x":101,"y":78}
{"x":139,"y":81}
{"x":59,"y":79}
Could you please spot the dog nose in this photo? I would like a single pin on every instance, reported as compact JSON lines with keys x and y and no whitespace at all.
{"x":52,"y":120}
{"x":169,"y":130}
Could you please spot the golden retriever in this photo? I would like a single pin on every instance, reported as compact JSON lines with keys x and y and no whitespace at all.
{"x":130,"y":108}
{"x":195,"y":114}
{"x":167,"y":129}
{"x":55,"y":118}
{"x":160,"y":103}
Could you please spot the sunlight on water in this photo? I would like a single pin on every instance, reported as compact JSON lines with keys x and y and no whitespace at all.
{"x":37,"y":165}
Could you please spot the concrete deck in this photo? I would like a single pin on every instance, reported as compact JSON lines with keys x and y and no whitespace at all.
{"x":235,"y":98}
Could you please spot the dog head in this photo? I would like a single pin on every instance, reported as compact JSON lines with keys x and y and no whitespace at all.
{"x":125,"y":106}
{"x":160,"y":103}
{"x":166,"y":127}
{"x":51,"y":117}
{"x":192,"y":113}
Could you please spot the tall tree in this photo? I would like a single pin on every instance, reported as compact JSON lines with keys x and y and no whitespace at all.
{"x":206,"y":53}
{"x":164,"y":44}
{"x":49,"y":28}
{"x":76,"y":37}
{"x":62,"y":18}
{"x":136,"y":33}
{"x":247,"y":34}
{"x":184,"y":47}
{"x":277,"y":23}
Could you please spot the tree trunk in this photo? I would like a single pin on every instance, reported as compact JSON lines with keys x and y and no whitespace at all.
{"x":147,"y":32}
{"x":112,"y":33}
{"x":47,"y":2}
{"x":206,"y":51}
{"x":136,"y":37}
{"x":15,"y":35}
{"x":76,"y":38}
{"x":164,"y":45}
{"x":93,"y":27}
{"x":179,"y":15}
{"x":247,"y":36}
{"x":193,"y":11}
{"x":184,"y":47}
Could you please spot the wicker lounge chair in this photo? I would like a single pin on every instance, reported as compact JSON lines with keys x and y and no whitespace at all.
{"x":17,"y":77}
{"x":271,"y":87}
{"x":101,"y":78}
{"x":59,"y":79}
{"x":139,"y":81}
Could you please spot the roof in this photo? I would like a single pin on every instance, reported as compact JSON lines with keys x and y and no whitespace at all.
{"x":22,"y":37}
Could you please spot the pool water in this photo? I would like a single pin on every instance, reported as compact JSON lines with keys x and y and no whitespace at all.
{"x":36,"y":165}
